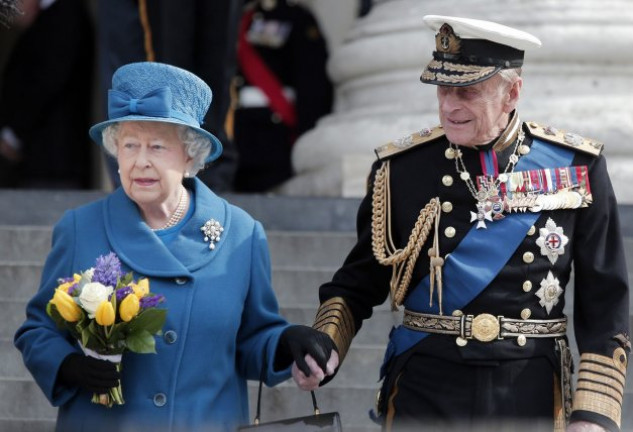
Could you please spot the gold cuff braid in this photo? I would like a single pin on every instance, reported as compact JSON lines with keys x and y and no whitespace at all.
{"x":334,"y":318}
{"x":600,"y":387}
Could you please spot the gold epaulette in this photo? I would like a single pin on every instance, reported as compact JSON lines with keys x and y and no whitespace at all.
{"x":334,"y":318}
{"x":568,"y":139}
{"x":409,"y":141}
{"x":601,"y":383}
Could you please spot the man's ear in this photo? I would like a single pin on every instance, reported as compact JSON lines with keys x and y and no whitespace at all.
{"x":514,"y":92}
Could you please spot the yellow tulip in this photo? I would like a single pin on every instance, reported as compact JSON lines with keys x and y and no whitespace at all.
{"x":141,"y":289}
{"x":129,"y":307}
{"x":66,"y":306}
{"x":105,"y":313}
{"x":64,"y":287}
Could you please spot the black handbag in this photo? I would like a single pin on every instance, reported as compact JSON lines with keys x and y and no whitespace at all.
{"x":327,"y":422}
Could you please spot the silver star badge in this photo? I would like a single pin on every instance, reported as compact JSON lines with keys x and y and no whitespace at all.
{"x":552,"y":241}
{"x":481,"y":216}
{"x":550,"y":292}
{"x":212,"y":230}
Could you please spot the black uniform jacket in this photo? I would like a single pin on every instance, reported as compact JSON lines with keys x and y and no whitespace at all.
{"x":594,"y":253}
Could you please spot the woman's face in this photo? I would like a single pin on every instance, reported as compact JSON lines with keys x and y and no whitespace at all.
{"x":476,"y":114}
{"x":152,"y":162}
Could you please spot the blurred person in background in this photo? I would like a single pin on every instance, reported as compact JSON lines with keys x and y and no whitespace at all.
{"x":45,"y":97}
{"x":282,"y":89}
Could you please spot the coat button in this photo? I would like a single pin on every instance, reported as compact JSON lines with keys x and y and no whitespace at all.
{"x":449,"y":153}
{"x":449,"y":232}
{"x":160,"y":399}
{"x":447,"y":180}
{"x":170,"y":336}
{"x":526,"y":313}
{"x":521,"y":340}
{"x":447,"y":206}
{"x":528,"y":257}
{"x":531,"y":231}
{"x":527,"y":286}
{"x":180,"y":280}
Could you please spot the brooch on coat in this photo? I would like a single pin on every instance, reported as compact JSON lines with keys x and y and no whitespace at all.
{"x":212,"y":230}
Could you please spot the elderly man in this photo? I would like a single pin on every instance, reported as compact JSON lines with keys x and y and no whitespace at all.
{"x":473,"y":227}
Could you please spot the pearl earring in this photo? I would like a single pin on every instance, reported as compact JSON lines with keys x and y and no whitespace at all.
{"x":187,"y":174}
{"x":119,"y":171}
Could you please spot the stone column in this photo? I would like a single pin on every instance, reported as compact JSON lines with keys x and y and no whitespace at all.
{"x":580,"y":80}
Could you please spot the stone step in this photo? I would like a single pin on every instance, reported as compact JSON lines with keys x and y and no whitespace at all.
{"x":315,"y":249}
{"x":25,"y":403}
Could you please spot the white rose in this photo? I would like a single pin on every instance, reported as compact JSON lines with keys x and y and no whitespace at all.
{"x":92,"y":295}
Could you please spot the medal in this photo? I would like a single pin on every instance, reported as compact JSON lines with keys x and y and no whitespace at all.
{"x":552,"y":241}
{"x":549,"y":292}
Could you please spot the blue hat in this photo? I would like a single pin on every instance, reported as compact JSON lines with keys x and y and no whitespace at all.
{"x":150,"y":91}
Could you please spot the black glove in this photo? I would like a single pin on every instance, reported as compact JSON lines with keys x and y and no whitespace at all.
{"x":97,"y":376}
{"x":297,"y":341}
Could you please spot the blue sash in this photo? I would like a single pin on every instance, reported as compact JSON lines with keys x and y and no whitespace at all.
{"x":467,"y":271}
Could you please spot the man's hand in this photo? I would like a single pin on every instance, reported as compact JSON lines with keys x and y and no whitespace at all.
{"x":584,"y":426}
{"x":312,"y":381}
{"x":312,"y":353}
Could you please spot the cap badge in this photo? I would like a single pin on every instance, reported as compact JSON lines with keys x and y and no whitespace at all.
{"x":447,"y":41}
{"x":549,"y":292}
{"x":552,"y":241}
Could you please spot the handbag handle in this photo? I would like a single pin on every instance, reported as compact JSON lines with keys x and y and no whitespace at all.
{"x":262,"y":376}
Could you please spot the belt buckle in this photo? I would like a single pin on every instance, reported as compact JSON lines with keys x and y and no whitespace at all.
{"x":485,"y":327}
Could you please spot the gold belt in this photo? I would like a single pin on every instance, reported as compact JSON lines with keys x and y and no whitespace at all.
{"x":484,"y":327}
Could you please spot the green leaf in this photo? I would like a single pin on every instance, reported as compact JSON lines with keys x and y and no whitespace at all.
{"x":151,"y":320}
{"x":141,"y":342}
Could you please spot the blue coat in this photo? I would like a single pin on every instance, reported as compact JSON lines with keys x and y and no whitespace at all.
{"x":222,"y":316}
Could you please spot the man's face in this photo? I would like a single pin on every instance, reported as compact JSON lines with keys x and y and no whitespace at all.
{"x":476,"y":114}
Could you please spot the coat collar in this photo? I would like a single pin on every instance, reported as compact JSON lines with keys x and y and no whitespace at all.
{"x":140,"y":248}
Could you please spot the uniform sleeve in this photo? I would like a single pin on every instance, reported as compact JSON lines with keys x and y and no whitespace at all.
{"x":601,"y":306}
{"x":359,"y":285}
{"x":43,"y":346}
{"x":261,"y":324}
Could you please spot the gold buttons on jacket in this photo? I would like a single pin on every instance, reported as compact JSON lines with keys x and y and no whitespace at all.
{"x":449,"y":153}
{"x":447,"y":206}
{"x":526,"y":313}
{"x":528,"y":257}
{"x":531,"y":231}
{"x":449,"y":232}
{"x":521,"y":340}
{"x":527,"y":286}
{"x":447,"y":180}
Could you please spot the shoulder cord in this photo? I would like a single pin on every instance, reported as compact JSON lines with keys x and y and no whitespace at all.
{"x":402,"y":260}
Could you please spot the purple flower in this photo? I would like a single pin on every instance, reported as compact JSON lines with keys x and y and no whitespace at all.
{"x":123,"y":292}
{"x":151,"y":301}
{"x":107,"y":270}
{"x":72,"y":288}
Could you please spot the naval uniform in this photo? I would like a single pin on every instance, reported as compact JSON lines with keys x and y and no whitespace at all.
{"x":498,"y":350}
{"x":287,"y":41}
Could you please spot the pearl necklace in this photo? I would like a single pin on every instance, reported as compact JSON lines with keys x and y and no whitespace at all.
{"x":488,"y":196}
{"x":177,"y":215}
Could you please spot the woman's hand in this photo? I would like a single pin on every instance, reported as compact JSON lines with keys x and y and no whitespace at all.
{"x":312,"y":381}
{"x":583,"y":426}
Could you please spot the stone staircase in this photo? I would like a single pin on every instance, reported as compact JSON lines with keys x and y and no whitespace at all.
{"x":308,"y":237}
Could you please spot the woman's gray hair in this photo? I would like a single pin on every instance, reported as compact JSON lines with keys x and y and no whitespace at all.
{"x":196,"y":145}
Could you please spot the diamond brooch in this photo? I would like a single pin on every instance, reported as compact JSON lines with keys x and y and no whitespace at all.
{"x":212,"y":230}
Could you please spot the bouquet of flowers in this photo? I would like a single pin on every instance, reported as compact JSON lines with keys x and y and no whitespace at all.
{"x":108,"y":313}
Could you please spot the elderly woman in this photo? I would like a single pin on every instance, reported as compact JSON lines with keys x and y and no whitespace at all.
{"x":223,"y":326}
